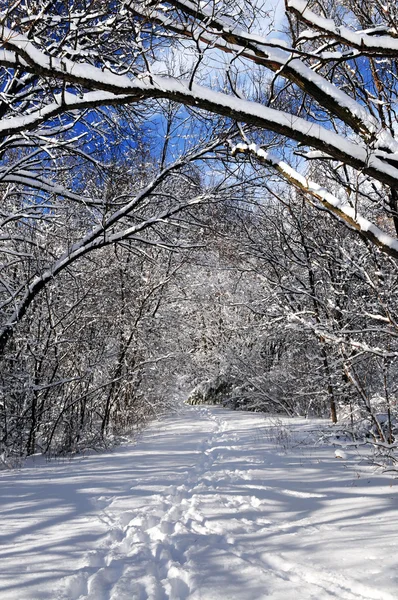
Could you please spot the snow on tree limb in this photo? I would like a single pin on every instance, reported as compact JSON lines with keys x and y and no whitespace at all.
{"x":346,"y":213}
{"x":380,"y":45}
{"x":109,"y":88}
{"x":284,"y":61}
{"x":155,"y":86}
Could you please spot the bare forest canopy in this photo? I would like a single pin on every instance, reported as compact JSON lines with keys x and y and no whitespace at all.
{"x":203,"y":188}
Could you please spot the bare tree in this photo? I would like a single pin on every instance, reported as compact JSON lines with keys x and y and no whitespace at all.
{"x":59,"y":61}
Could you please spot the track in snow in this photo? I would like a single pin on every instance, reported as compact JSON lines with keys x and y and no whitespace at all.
{"x":203,"y":507}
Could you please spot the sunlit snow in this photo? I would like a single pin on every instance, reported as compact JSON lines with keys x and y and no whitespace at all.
{"x":208,"y":504}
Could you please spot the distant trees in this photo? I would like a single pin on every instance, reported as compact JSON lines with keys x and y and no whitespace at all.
{"x":314,"y":330}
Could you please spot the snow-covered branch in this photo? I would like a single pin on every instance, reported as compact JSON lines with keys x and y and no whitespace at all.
{"x":346,"y":213}
{"x":375,"y":44}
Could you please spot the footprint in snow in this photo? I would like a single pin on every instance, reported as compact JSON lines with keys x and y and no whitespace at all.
{"x":73,"y":587}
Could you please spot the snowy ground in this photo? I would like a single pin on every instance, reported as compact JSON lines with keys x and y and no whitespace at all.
{"x":205,"y":506}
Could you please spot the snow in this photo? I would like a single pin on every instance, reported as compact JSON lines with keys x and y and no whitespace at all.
{"x":339,"y":453}
{"x":273,"y":51}
{"x":382,"y":238}
{"x":117,"y":88}
{"x":357,"y":38}
{"x":208,"y":504}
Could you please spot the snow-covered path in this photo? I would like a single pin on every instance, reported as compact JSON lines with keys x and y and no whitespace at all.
{"x":205,"y":506}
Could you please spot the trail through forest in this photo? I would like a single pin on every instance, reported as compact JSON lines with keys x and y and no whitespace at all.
{"x":208,"y":504}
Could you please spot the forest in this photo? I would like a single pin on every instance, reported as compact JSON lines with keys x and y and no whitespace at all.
{"x":199,"y":202}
